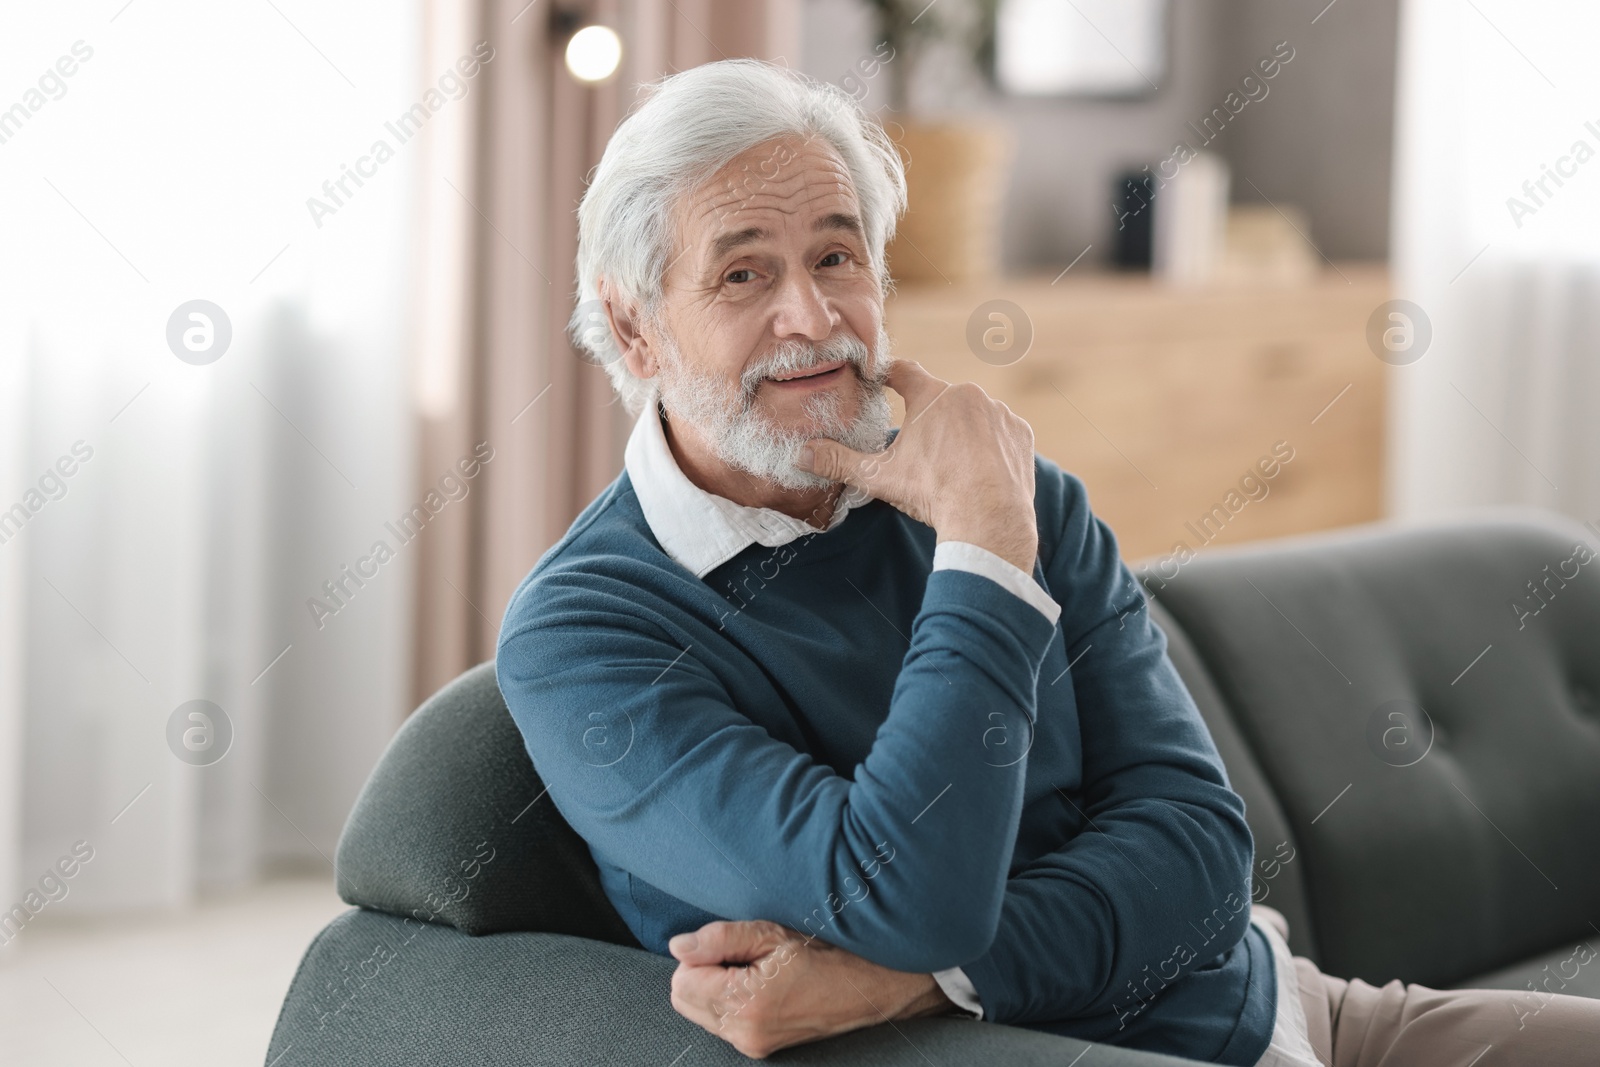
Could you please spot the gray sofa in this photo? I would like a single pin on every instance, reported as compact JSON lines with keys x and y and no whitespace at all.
{"x":1454,"y":845}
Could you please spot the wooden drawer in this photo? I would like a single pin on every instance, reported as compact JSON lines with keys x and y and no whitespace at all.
{"x":1163,"y":401}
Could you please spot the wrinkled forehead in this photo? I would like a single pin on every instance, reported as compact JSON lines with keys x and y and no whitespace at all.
{"x":791,"y":184}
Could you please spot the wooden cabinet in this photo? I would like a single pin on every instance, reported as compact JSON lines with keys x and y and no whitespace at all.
{"x":1164,"y":400}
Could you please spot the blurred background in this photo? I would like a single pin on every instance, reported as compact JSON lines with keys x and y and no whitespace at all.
{"x":287,"y":408}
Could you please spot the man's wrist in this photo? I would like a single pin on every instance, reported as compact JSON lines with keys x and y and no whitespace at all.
{"x":926,"y":998}
{"x":1018,"y":545}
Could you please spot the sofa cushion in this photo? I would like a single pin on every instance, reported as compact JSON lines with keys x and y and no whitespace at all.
{"x":1440,"y":843}
{"x":454,"y":827}
{"x":1573,"y":970}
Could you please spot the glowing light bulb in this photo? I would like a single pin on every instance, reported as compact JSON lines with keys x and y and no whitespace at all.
{"x":594,"y":53}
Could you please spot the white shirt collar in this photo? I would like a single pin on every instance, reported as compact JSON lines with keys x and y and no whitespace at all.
{"x":700,"y":530}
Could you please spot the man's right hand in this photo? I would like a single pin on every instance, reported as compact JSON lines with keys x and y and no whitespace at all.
{"x":962,"y":463}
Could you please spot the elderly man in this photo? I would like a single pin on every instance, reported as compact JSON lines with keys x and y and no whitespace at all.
{"x":863,"y":725}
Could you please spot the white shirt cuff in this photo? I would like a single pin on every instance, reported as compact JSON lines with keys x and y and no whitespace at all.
{"x":958,"y":987}
{"x":965,"y":556}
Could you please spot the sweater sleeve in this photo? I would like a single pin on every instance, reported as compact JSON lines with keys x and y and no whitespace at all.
{"x":1162,"y":849}
{"x":645,"y":754}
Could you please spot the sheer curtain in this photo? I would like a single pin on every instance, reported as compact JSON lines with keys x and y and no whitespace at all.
{"x":171,"y":518}
{"x":1496,"y":230}
{"x":391,"y":311}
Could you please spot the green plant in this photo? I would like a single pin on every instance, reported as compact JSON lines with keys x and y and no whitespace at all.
{"x":907,"y":27}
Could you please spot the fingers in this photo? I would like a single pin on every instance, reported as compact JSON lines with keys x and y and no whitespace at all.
{"x":838,"y":463}
{"x":916,"y":385}
{"x":721,"y":993}
{"x":722,"y":942}
{"x":868,"y":470}
{"x":700,"y":995}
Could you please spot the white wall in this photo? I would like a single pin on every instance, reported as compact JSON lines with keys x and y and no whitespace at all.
{"x":1319,"y":139}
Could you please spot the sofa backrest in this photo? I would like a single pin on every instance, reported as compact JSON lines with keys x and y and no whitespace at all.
{"x":454,"y":827}
{"x":1435,"y":869}
{"x":1436,"y":844}
{"x":1278,"y":878}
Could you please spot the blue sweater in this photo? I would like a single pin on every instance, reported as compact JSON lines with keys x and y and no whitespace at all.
{"x":913,"y":765}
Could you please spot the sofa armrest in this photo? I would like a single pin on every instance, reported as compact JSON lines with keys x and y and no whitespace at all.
{"x":375,"y":990}
{"x":454,"y":826}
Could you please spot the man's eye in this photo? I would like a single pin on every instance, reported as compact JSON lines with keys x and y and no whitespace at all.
{"x":742,"y":270}
{"x":831,"y":254}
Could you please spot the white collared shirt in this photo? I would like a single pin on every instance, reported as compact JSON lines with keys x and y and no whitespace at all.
{"x":1290,"y":1045}
{"x":702,"y":531}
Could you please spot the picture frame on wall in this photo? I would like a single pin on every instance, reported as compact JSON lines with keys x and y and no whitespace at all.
{"x":1102,"y":49}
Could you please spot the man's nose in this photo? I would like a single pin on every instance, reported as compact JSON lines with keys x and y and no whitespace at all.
{"x":803,"y":309}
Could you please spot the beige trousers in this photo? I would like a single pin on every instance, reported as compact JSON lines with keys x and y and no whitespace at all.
{"x":1354,"y":1024}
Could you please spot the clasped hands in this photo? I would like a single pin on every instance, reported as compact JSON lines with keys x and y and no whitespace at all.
{"x":763,"y":987}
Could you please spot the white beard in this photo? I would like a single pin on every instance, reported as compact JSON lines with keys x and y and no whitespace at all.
{"x":744,"y":438}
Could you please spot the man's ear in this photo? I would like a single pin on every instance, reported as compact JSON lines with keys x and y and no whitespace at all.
{"x":627,"y":335}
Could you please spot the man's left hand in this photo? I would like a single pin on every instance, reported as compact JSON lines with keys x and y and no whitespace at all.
{"x":763,"y":987}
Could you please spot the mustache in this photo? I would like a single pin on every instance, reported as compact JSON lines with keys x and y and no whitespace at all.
{"x":792,"y":356}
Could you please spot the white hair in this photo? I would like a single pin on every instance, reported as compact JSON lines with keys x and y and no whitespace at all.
{"x":688,"y":127}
